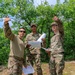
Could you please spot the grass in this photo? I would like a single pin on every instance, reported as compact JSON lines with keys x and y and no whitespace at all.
{"x":68,"y":70}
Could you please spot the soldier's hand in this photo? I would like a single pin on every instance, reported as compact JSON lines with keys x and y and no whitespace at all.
{"x":28,"y":45}
{"x":7,"y":19}
{"x":55,"y":18}
{"x":24,"y":66}
{"x":44,"y":40}
{"x":49,"y":52}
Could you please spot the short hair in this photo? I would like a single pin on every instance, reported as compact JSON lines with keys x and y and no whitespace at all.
{"x":22,"y":28}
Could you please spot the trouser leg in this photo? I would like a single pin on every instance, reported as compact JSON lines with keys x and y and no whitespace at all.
{"x":38,"y":65}
{"x":52,"y":66}
{"x":14,"y":66}
{"x":30,"y":60}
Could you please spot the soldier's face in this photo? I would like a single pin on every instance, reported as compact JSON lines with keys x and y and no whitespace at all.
{"x":54,"y":28}
{"x":33,"y":28}
{"x":21,"y":32}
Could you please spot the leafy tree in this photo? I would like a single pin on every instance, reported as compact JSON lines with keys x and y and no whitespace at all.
{"x":23,"y":13}
{"x":4,"y":48}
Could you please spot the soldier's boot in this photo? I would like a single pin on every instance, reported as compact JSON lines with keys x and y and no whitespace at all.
{"x":53,"y":71}
{"x":39,"y":71}
{"x":60,"y":73}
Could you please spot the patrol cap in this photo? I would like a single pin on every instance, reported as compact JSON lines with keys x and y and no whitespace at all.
{"x":54,"y":23}
{"x":33,"y":24}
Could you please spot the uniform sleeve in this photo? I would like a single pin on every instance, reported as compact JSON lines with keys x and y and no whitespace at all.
{"x":44,"y":44}
{"x":7,"y":31}
{"x":54,"y":45}
{"x":26,"y":40}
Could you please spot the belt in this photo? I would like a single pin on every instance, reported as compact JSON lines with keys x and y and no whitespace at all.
{"x":58,"y":53}
{"x":16,"y":57}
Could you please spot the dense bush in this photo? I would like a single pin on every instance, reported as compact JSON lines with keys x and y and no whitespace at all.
{"x":24,"y":13}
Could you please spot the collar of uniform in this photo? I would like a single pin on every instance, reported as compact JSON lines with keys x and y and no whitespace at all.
{"x":34,"y":34}
{"x":20,"y":38}
{"x":58,"y":33}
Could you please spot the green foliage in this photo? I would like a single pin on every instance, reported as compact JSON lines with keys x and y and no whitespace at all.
{"x":24,"y":13}
{"x":4,"y":48}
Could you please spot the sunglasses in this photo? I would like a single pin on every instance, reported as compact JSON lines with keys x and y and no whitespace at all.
{"x":22,"y":31}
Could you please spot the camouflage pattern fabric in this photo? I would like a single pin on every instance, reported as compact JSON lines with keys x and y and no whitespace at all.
{"x":34,"y":53}
{"x":35,"y":58}
{"x":32,"y":37}
{"x":56,"y":64}
{"x":57,"y":56}
{"x":16,"y":54}
{"x":56,"y":44}
{"x":15,"y":66}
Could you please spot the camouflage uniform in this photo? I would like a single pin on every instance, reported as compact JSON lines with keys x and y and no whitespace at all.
{"x":16,"y":55}
{"x":56,"y":63}
{"x":34,"y":53}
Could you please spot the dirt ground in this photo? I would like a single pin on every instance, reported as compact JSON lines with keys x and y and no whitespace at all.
{"x":69,"y":69}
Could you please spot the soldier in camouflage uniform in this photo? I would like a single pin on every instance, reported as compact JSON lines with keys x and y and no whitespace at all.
{"x":34,"y":53}
{"x":56,"y":49}
{"x":17,"y":47}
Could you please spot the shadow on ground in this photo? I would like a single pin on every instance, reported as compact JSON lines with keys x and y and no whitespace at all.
{"x":69,"y":69}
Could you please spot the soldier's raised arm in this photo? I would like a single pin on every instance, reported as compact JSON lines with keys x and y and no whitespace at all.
{"x":7,"y":30}
{"x":56,"y":19}
{"x":60,"y":25}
